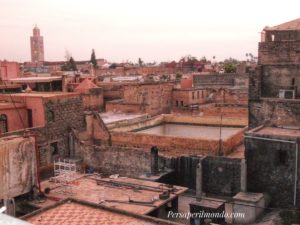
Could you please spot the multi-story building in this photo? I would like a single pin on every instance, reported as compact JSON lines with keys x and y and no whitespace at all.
{"x":274,"y":113}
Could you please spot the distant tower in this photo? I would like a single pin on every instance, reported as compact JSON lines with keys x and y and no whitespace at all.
{"x":37,"y":46}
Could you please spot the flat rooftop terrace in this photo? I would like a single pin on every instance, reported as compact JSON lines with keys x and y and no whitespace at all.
{"x":128,"y":194}
{"x":73,"y":212}
{"x":191,"y":131}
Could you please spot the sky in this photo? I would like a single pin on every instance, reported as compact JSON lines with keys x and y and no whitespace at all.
{"x":124,"y":30}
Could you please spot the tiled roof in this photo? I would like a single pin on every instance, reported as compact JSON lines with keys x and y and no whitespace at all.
{"x":292,"y":25}
{"x":86,"y":85}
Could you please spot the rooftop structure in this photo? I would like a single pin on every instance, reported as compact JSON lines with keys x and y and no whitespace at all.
{"x":271,"y":146}
{"x":128,"y":194}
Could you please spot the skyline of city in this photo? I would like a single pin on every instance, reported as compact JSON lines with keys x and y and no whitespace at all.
{"x":154,"y":32}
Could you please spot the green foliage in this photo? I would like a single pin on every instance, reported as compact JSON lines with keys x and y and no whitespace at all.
{"x":113,"y":66}
{"x":164,"y":77}
{"x":93,"y":59}
{"x":140,"y":62}
{"x":69,"y":66}
{"x":229,"y":68}
{"x":230,"y":65}
{"x":178,"y":76}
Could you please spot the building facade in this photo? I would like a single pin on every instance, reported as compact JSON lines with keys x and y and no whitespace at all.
{"x":272,"y":145}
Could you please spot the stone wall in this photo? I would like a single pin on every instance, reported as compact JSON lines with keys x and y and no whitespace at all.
{"x":271,"y":169}
{"x":274,"y":112}
{"x":280,"y":77}
{"x":221,"y":175}
{"x":278,"y":52}
{"x":117,"y":160}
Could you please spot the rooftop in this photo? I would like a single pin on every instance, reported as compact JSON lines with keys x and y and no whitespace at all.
{"x":291,"y":25}
{"x":128,"y":194}
{"x":70,"y":212}
{"x":35,"y":79}
{"x":44,"y":94}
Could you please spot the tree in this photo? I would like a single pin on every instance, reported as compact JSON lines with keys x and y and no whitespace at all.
{"x":69,"y":66}
{"x":229,"y":68}
{"x":140,"y":62}
{"x":178,"y":77}
{"x":93,"y":59}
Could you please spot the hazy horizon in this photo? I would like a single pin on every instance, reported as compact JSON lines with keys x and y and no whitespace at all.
{"x":126,"y":30}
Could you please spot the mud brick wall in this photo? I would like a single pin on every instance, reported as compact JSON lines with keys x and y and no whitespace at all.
{"x":276,"y":77}
{"x":153,"y":98}
{"x":120,"y":106}
{"x":218,"y":79}
{"x":271,"y":169}
{"x":274,"y":112}
{"x":117,"y":160}
{"x":278,"y":52}
{"x":165,"y":143}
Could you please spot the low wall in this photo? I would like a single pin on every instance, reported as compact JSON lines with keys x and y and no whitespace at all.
{"x":166,"y":144}
{"x":119,"y":106}
{"x":128,"y":162}
{"x":221,"y":175}
{"x":241,"y":112}
{"x":194,"y":120}
{"x":206,"y":120}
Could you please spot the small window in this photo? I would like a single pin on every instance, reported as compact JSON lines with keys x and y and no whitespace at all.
{"x":282,"y":157}
{"x":198,"y":95}
{"x":54,"y":149}
{"x":50,"y":116}
{"x":193,"y":95}
{"x":3,"y":124}
{"x":182,"y":103}
{"x":293,"y":82}
{"x":273,"y":37}
{"x":177,"y":103}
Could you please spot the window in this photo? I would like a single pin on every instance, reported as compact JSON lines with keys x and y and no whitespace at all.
{"x":50,"y":116}
{"x":273,"y":37}
{"x":293,"y":82}
{"x":282,"y":157}
{"x":3,"y":124}
{"x":193,"y":95}
{"x":182,"y":103}
{"x":177,"y":103}
{"x":54,"y":149}
{"x":198,"y":95}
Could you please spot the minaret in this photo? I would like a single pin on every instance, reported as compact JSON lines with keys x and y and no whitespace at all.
{"x":37,"y":46}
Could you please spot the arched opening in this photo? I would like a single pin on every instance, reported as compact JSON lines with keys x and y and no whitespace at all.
{"x":3,"y":124}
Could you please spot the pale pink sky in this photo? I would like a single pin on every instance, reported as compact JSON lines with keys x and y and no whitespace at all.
{"x":122,"y":30}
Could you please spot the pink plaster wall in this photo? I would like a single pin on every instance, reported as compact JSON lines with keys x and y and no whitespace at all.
{"x":9,"y":70}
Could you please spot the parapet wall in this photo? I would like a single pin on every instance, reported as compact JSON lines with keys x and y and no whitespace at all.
{"x":171,"y":145}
